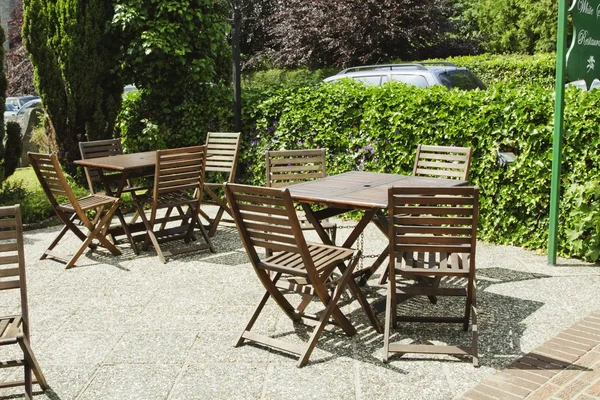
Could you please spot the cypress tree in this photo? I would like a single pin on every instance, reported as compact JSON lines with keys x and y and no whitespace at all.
{"x":76,"y":60}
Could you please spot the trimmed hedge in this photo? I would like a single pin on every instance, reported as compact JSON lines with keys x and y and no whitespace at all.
{"x":378,"y":128}
{"x":517,"y":69}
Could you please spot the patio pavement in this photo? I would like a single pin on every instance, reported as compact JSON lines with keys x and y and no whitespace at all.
{"x":128,"y":327}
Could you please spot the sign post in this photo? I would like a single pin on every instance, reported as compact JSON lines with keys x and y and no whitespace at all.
{"x":580,"y":64}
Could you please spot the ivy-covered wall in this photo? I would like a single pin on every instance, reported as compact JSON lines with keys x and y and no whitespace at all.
{"x":378,"y":129}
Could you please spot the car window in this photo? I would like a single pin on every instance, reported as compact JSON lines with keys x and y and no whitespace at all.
{"x":13,"y":102}
{"x":414,"y":80}
{"x":369,"y":80}
{"x":461,"y":79}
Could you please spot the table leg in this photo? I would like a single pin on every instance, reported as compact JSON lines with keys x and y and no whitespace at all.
{"x":119,"y":213}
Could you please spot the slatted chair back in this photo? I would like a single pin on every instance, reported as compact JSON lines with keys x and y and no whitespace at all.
{"x":266,"y":218}
{"x":443,"y":162}
{"x":95,"y":149}
{"x":428,"y":225}
{"x":14,"y":329}
{"x":178,"y":170}
{"x":223,"y":149}
{"x":53,"y":181}
{"x":286,"y":167}
{"x":12,"y":259}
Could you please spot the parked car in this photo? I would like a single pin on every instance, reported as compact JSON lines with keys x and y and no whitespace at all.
{"x":581,"y":84}
{"x":416,"y":74}
{"x":10,"y":111}
{"x":35,"y":103}
{"x":18,"y":102}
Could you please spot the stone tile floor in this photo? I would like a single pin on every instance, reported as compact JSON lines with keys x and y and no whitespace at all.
{"x":128,"y":327}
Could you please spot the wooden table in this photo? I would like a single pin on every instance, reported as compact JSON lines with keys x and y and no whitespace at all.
{"x":129,"y":166}
{"x":356,"y":190}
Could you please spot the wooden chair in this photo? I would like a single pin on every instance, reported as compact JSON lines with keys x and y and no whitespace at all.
{"x":103,"y":148}
{"x":14,"y":329}
{"x":57,"y":189}
{"x":442,"y":162}
{"x":95,"y":149}
{"x":288,"y":167}
{"x":223,"y":149}
{"x":448,"y":162}
{"x":433,"y":233}
{"x":265,"y":217}
{"x":178,"y":181}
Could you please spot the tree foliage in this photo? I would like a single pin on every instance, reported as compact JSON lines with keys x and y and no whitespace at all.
{"x":19,"y":70}
{"x":345,"y":32}
{"x":76,"y":59}
{"x":511,"y":26}
{"x":176,"y":51}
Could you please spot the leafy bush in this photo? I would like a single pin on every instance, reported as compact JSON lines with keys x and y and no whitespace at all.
{"x":377,"y":128}
{"x":141,"y":129}
{"x":519,"y":69}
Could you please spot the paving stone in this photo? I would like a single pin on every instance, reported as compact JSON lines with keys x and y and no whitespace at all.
{"x":152,"y":348}
{"x":132,"y":382}
{"x":221,"y":381}
{"x":129,"y":327}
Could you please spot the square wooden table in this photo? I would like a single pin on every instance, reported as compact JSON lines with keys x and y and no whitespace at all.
{"x":356,"y":190}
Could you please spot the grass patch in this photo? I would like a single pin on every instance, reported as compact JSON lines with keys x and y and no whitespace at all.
{"x":26,"y":177}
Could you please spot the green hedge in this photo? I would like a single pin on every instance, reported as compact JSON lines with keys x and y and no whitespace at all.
{"x":378,"y":129}
{"x":517,"y":69}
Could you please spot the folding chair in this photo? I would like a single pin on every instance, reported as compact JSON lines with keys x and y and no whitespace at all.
{"x":222,"y":150}
{"x":443,"y":162}
{"x":433,"y":233}
{"x":57,"y":188}
{"x":448,"y":162}
{"x":14,"y":329}
{"x":265,"y":217}
{"x":95,"y":149}
{"x":178,"y":182}
{"x":103,"y":148}
{"x":288,"y":167}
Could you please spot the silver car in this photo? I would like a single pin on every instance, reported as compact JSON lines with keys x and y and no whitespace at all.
{"x":416,"y":74}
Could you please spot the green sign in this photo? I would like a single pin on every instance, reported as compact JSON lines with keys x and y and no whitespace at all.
{"x":585,"y":47}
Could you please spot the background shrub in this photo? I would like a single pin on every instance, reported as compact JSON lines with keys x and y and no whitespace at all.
{"x":14,"y":148}
{"x":378,"y":128}
{"x":516,"y":69}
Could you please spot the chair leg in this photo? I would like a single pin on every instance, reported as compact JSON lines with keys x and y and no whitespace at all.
{"x":306,"y":299}
{"x":215,"y":222}
{"x":151,"y":237}
{"x":97,"y":230}
{"x":330,"y":307}
{"x":167,"y":215}
{"x":365,"y":306}
{"x":253,"y":319}
{"x":388,"y":321}
{"x":28,"y":382}
{"x":474,"y":334}
{"x":62,"y":233}
{"x":205,"y":235}
{"x":32,"y":361}
{"x":96,"y":233}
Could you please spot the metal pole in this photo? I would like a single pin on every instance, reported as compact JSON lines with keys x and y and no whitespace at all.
{"x":559,"y":106}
